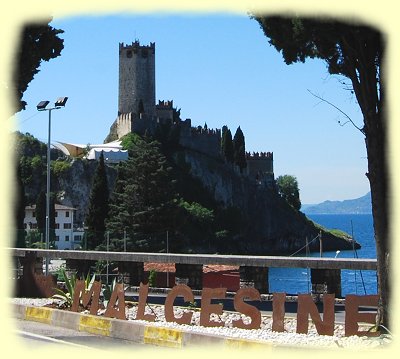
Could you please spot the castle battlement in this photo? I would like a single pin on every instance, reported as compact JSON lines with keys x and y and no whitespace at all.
{"x":259,"y":155}
{"x":165,"y":104}
{"x":124,"y":117}
{"x":136,"y":46}
{"x":205,"y":131}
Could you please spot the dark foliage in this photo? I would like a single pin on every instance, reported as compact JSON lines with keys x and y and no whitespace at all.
{"x":98,"y":206}
{"x":38,"y":42}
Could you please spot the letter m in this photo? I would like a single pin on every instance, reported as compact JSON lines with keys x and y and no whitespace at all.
{"x":91,"y":296}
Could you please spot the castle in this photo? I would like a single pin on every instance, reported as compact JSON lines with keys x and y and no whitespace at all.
{"x":139,"y":113}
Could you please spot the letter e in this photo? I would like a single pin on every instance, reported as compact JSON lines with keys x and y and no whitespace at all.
{"x":353,"y":316}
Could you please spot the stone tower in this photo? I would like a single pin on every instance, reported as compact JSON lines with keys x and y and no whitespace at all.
{"x":137,"y":88}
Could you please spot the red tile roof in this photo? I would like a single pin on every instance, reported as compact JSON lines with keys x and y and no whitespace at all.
{"x":170,"y":267}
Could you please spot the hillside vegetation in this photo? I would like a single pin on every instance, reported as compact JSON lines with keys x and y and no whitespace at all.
{"x":201,"y":204}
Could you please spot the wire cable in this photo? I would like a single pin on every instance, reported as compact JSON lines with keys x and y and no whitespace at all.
{"x":304,"y":246}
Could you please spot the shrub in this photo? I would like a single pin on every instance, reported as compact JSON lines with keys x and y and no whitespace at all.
{"x":60,"y":167}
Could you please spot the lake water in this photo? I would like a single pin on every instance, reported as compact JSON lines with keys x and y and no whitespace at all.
{"x":297,"y":280}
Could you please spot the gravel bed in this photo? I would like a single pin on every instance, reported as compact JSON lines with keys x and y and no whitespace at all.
{"x":264,"y":334}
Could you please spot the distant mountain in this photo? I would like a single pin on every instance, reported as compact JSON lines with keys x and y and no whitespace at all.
{"x":360,"y":205}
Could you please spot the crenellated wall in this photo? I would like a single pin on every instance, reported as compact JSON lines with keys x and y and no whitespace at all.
{"x":260,"y":166}
{"x":207,"y":141}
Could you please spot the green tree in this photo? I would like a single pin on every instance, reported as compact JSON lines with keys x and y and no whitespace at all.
{"x":194,"y":227}
{"x":38,"y":42}
{"x":223,"y":130}
{"x":52,"y":224}
{"x":227,"y":145}
{"x":354,"y":51}
{"x":40,"y":212}
{"x":239,"y":150}
{"x":288,"y":188}
{"x":98,"y":206}
{"x":143,"y":200}
{"x":19,"y":210}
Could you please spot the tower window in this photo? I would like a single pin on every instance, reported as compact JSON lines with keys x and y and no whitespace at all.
{"x":129,"y":54}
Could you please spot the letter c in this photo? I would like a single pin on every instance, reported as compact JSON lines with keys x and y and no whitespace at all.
{"x":186,"y":292}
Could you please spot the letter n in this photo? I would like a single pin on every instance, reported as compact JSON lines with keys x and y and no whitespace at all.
{"x":306,"y":306}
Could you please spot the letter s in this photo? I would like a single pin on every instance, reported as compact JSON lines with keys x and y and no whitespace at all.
{"x":247,"y":309}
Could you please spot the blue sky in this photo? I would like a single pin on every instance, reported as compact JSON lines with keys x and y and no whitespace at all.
{"x":220,"y":70}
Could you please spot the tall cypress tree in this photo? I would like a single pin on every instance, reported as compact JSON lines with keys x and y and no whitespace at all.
{"x":223,"y":130}
{"x":143,"y":199}
{"x":40,"y":212}
{"x":41,"y":217}
{"x":98,"y":206}
{"x":19,"y":211}
{"x":239,"y":150}
{"x":228,"y":150}
{"x":52,"y":224}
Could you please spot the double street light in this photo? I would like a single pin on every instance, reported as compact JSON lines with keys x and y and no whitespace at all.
{"x":42,"y":106}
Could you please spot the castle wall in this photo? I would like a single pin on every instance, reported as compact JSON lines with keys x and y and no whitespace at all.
{"x":137,"y":84}
{"x":124,"y":124}
{"x":260,"y":166}
{"x":206,"y":141}
{"x":165,"y":111}
{"x":136,"y":78}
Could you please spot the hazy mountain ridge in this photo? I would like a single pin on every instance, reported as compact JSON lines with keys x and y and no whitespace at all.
{"x":361,"y":205}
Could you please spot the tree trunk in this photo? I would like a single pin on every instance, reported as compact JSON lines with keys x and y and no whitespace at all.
{"x":378,"y":177}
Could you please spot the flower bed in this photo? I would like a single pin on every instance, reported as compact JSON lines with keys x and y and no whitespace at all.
{"x":264,"y":334}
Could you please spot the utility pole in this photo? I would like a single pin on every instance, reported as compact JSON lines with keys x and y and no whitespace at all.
{"x":320,"y":244}
{"x":168,"y":263}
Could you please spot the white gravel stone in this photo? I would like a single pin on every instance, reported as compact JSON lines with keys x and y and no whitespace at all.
{"x":264,"y":334}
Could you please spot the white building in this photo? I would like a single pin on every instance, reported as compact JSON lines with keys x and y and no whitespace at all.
{"x":112,"y":151}
{"x":67,"y":236}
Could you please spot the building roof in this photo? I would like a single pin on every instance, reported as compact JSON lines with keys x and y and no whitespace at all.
{"x":110,"y":154}
{"x":170,"y":267}
{"x":75,"y":149}
{"x":57,"y":207}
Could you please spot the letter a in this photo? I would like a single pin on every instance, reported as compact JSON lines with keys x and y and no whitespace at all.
{"x":117,"y":295}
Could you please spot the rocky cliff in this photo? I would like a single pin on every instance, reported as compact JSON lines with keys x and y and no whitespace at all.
{"x":268,"y":224}
{"x":272,"y":226}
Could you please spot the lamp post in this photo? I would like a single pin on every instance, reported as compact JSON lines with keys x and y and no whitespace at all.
{"x":41,"y":106}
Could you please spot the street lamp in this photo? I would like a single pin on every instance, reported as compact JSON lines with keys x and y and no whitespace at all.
{"x":42,"y":106}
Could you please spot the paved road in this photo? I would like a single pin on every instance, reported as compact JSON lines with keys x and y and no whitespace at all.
{"x":35,"y":335}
